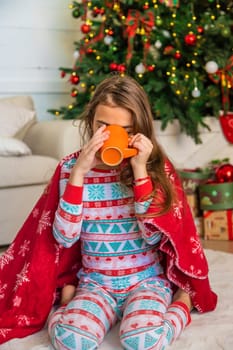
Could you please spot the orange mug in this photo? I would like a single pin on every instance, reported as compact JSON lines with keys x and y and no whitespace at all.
{"x":115,"y":148}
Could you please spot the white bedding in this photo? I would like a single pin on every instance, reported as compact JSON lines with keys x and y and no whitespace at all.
{"x":210,"y":331}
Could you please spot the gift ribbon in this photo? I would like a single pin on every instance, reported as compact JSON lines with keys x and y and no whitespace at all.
{"x":135,"y":19}
{"x":225,"y":77}
{"x":85,"y":6}
{"x":230,"y":223}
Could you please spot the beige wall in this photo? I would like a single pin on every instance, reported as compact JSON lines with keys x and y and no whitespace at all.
{"x":36,"y":38}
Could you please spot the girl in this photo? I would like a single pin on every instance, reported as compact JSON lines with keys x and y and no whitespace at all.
{"x":142,"y":262}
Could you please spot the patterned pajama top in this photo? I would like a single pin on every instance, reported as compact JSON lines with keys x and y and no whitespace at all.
{"x":118,"y":250}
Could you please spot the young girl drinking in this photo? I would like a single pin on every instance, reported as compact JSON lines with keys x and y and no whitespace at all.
{"x":141,"y":260}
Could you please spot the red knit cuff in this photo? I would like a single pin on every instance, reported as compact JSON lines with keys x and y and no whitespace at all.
{"x":185,"y":308}
{"x":140,"y":191}
{"x":73,"y":194}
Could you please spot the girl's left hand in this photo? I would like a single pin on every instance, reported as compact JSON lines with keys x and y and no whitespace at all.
{"x":144,"y":147}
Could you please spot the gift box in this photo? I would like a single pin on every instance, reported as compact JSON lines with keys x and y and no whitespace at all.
{"x":216,"y":196}
{"x":191,"y":179}
{"x":192,"y":200}
{"x":218,"y":224}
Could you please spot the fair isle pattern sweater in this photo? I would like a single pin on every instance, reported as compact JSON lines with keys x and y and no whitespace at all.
{"x":117,"y":250}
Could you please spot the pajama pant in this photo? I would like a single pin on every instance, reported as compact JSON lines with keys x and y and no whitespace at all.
{"x":148,"y":321}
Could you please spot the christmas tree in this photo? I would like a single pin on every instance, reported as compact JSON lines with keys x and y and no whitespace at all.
{"x":179,"y":51}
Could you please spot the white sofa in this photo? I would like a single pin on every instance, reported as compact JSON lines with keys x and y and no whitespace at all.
{"x":27,"y":166}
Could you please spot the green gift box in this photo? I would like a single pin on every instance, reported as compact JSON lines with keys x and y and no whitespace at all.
{"x":216,"y":196}
{"x":191,"y":179}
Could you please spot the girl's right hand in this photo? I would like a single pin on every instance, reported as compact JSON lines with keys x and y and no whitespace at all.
{"x":87,"y":158}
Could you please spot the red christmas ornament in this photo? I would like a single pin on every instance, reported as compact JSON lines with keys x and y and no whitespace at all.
{"x":98,"y":11}
{"x":110,"y":32}
{"x":113,"y":66}
{"x":74,"y":79}
{"x":85,"y":28}
{"x":224,"y":173}
{"x":121,"y":68}
{"x":168,"y":50}
{"x":95,"y":11}
{"x":146,"y":6}
{"x":151,"y":68}
{"x":200,"y":29}
{"x":63,"y":74}
{"x":190,"y":39}
{"x":177,"y":55}
{"x":74,"y":93}
{"x":89,"y":50}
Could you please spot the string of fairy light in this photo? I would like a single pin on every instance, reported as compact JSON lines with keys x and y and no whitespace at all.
{"x":192,"y":38}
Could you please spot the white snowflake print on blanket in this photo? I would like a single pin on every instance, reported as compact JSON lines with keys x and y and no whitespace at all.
{"x":177,"y":210}
{"x":196,"y":247}
{"x":194,"y":271}
{"x":44,"y":221}
{"x":22,"y":276}
{"x":7,"y":257}
{"x":17,"y":301}
{"x":23,"y":320}
{"x":35,"y":213}
{"x":24,"y":248}
{"x":4,"y":332}
{"x":196,"y":250}
{"x":3,"y":287}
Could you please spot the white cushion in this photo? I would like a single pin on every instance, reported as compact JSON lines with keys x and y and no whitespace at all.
{"x":19,"y":101}
{"x":13,"y":119}
{"x":10,"y":146}
{"x":29,"y":170}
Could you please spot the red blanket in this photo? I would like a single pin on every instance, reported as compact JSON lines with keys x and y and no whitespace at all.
{"x":34,"y":267}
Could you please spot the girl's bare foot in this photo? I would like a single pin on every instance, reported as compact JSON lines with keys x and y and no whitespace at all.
{"x":67,"y":294}
{"x":181,"y":295}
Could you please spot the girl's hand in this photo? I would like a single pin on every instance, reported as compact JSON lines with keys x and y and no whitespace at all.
{"x":87,"y":158}
{"x":144,"y":147}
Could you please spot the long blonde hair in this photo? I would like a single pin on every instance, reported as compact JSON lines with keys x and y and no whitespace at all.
{"x":125,"y":92}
